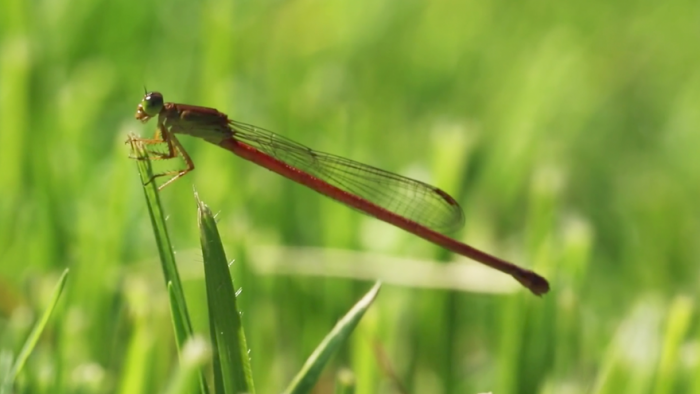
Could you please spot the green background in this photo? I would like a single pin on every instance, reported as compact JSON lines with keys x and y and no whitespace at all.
{"x":566,"y":130}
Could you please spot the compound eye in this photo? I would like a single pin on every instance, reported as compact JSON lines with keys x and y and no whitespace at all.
{"x":152,"y":103}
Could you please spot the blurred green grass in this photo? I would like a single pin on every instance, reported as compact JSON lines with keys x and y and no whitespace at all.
{"x":567,"y":131}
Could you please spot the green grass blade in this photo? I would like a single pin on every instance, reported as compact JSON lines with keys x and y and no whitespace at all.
{"x":179,"y":316}
{"x":160,"y":230}
{"x":310,"y":372}
{"x":36,"y":330}
{"x":182,"y":322}
{"x":232,"y":370}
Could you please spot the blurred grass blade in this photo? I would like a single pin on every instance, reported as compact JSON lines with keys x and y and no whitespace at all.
{"x":345,"y":382}
{"x":310,"y":372}
{"x":680,"y":316}
{"x":179,"y":324}
{"x":182,"y":322}
{"x":232,"y":371}
{"x":195,"y":355}
{"x":5,"y":368}
{"x":36,"y":332}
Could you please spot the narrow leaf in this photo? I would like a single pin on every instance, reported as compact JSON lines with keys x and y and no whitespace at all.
{"x":232,"y":371}
{"x":310,"y":372}
{"x":38,"y":328}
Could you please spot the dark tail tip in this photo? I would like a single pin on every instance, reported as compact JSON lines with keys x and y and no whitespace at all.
{"x":535,"y":283}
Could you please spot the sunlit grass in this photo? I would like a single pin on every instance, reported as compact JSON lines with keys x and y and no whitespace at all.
{"x":566,"y":131}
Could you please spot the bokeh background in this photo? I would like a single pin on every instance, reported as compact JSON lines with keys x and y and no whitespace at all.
{"x":568,"y":132}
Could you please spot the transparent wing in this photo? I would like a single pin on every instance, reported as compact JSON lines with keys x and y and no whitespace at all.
{"x":414,"y":200}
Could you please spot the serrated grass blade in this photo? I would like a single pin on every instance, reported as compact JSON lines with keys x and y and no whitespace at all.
{"x":160,"y":230}
{"x":232,"y":370}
